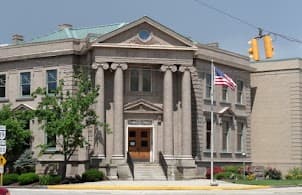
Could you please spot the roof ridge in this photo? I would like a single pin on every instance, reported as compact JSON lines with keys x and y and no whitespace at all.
{"x":46,"y":34}
{"x":72,"y":31}
{"x":103,"y":25}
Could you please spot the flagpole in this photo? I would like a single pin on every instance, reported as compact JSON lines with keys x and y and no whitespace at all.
{"x":212,"y":124}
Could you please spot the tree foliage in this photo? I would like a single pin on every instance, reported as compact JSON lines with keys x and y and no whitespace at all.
{"x":17,"y":132}
{"x":66,"y":113}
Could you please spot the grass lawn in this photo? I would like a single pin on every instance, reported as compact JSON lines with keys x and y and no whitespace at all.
{"x":271,"y":182}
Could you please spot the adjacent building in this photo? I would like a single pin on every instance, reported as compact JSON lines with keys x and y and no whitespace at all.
{"x":154,"y":95}
{"x":276,"y":114}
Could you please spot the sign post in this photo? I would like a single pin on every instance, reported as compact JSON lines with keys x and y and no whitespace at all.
{"x":2,"y":151}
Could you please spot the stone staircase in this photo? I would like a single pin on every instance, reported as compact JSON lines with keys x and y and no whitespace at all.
{"x":148,"y":171}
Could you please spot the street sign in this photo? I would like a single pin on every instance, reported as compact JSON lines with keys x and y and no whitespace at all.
{"x":2,"y":150}
{"x":1,"y":169}
{"x":2,"y":160}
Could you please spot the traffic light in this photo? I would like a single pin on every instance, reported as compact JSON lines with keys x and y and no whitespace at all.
{"x":268,"y":46}
{"x":253,"y":50}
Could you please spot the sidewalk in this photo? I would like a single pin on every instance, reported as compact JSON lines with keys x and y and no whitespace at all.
{"x":196,"y":184}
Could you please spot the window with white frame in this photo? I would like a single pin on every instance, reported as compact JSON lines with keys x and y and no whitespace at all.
{"x":140,"y":80}
{"x":208,"y":85}
{"x":240,"y":138}
{"x":25,"y":82}
{"x":225,"y":135}
{"x":224,"y":93}
{"x":51,"y":81}
{"x":239,"y":92}
{"x":2,"y":85}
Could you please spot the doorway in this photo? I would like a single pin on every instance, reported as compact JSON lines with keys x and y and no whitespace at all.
{"x":139,"y":143}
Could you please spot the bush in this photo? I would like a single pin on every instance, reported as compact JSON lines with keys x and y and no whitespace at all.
{"x":92,"y":175}
{"x":272,"y":174}
{"x":10,"y":178}
{"x":223,"y":175}
{"x":294,"y":173}
{"x":216,"y":170}
{"x":232,"y":169}
{"x":25,"y":163}
{"x":28,"y":178}
{"x":75,"y":179}
{"x":49,"y":179}
{"x":251,"y":177}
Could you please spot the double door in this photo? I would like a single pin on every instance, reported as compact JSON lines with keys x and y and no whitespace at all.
{"x":139,"y":143}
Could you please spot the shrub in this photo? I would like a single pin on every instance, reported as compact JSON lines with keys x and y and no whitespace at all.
{"x":273,"y":174}
{"x":92,"y":175}
{"x":232,"y":169}
{"x":223,"y":175}
{"x":251,"y":177}
{"x":28,"y":178}
{"x":25,"y":163}
{"x":216,"y":170}
{"x":49,"y":179}
{"x":294,"y":173}
{"x":10,"y":178}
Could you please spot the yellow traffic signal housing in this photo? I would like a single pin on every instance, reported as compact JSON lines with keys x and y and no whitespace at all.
{"x":268,"y":46}
{"x":253,"y":50}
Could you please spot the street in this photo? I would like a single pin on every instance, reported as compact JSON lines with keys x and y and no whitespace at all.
{"x":279,"y":191}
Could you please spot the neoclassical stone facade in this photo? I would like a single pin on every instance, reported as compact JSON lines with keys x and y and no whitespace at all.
{"x":153,"y":97}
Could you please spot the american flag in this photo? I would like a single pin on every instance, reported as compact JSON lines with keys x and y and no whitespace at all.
{"x":223,"y":79}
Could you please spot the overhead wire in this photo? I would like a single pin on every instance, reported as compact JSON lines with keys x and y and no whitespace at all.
{"x":288,"y":38}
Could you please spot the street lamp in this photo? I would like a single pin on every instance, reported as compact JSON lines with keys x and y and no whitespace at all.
{"x":243,"y":162}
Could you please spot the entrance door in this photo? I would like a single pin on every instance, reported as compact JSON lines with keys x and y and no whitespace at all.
{"x":139,"y":143}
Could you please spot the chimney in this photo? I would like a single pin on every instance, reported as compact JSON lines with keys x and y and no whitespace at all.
{"x":17,"y":39}
{"x":63,"y":26}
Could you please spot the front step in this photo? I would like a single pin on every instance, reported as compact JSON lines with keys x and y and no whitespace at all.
{"x":148,"y":171}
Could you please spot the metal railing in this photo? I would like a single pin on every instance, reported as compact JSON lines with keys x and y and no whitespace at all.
{"x":163,"y":164}
{"x":130,"y":164}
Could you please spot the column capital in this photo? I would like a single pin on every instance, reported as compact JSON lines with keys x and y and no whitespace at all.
{"x":123,"y":66}
{"x":166,"y":67}
{"x":103,"y":65}
{"x":184,"y":68}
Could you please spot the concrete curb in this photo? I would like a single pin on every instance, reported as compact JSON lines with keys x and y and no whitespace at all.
{"x":124,"y":187}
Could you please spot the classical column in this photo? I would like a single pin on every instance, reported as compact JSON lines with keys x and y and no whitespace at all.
{"x":118,"y":98}
{"x":168,"y":108}
{"x":186,"y":111}
{"x":99,"y":148}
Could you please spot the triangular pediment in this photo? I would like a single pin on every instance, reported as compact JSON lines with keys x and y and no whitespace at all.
{"x":160,"y":35}
{"x":23,"y":107}
{"x":142,"y":106}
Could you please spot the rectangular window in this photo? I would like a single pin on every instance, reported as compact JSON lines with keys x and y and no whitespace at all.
{"x":51,"y":141}
{"x":140,"y":80}
{"x":208,"y":85}
{"x":134,"y":80}
{"x":239,"y":92}
{"x":225,"y":136}
{"x":25,"y":83}
{"x":51,"y":81}
{"x":208,"y":141}
{"x":146,"y":80}
{"x":2,"y":85}
{"x":224,"y":93}
{"x":240,"y":140}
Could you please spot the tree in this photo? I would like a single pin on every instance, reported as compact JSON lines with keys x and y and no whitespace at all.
{"x":64,"y":114}
{"x":17,"y":132}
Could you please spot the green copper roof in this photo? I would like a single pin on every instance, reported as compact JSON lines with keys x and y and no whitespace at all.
{"x":77,"y":33}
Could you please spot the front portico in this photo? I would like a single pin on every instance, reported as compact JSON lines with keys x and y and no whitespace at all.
{"x":161,"y":95}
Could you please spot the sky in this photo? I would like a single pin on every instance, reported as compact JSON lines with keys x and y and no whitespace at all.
{"x":33,"y":18}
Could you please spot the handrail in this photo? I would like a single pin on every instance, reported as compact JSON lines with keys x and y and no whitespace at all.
{"x":163,"y":163}
{"x":130,"y":164}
